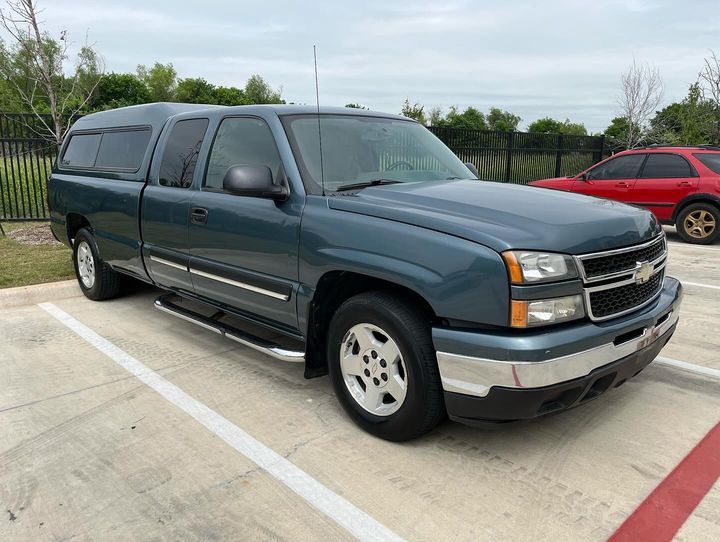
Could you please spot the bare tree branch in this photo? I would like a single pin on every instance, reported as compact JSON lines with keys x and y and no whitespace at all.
{"x":640,"y":95}
{"x":35,"y":61}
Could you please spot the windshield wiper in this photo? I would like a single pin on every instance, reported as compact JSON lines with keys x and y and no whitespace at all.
{"x":365,"y":184}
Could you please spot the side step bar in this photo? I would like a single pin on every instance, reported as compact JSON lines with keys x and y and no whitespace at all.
{"x":165,"y":304}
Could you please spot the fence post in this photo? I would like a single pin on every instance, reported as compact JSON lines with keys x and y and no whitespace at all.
{"x":508,"y":164}
{"x":558,"y":155}
{"x":599,"y":155}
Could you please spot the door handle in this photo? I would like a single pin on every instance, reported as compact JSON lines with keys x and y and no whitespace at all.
{"x":198,"y":215}
{"x":622,"y":184}
{"x":684,"y":183}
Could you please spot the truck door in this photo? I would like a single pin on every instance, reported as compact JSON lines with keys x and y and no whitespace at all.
{"x":244,"y":250}
{"x":166,"y":204}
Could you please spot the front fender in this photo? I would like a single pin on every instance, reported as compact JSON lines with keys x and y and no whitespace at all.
{"x":459,"y":279}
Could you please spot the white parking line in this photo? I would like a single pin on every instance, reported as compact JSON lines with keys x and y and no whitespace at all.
{"x":699,"y":285}
{"x":690,"y":367}
{"x":355,"y":521}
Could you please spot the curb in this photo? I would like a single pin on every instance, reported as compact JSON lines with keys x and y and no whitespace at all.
{"x":37,"y":293}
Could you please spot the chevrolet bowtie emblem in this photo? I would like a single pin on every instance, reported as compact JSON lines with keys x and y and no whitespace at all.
{"x":643,"y":272}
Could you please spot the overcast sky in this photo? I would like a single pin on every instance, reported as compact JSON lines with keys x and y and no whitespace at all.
{"x":535,"y":58}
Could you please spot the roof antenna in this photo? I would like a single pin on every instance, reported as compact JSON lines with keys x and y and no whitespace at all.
{"x":317,"y":101}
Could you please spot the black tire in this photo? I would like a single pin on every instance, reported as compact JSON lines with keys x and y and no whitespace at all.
{"x":423,"y":406}
{"x":684,"y":221}
{"x":106,"y":283}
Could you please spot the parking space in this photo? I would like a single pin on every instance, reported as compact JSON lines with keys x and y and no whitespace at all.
{"x":90,"y":450}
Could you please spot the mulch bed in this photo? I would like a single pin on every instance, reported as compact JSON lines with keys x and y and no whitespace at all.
{"x":35,"y":235}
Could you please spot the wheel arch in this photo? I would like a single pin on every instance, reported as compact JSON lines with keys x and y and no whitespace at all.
{"x":73,"y":223}
{"x":333,"y":289}
{"x":712,"y":199}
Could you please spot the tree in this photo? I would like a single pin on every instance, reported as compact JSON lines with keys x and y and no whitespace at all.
{"x":356,"y":106}
{"x":32,"y":66}
{"x":709,"y":84}
{"x":641,"y":92}
{"x":470,"y":119}
{"x":195,"y":90}
{"x":160,"y":80}
{"x":258,"y":91}
{"x":120,"y":90}
{"x":413,"y":111}
{"x":692,"y":121}
{"x":229,"y":96}
{"x":548,"y":125}
{"x":497,"y":119}
{"x":436,"y":117}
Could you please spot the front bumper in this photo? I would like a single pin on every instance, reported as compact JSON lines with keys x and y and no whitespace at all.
{"x":523,"y":375}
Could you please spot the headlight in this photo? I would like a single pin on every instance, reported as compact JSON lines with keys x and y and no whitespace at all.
{"x":546,"y":311}
{"x":532,"y":267}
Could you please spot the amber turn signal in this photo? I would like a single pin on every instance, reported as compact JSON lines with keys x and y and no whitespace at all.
{"x":518,"y":313}
{"x":516,"y":276}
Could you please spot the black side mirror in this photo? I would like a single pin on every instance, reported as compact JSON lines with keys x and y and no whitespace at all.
{"x":253,"y":182}
{"x":472,"y":168}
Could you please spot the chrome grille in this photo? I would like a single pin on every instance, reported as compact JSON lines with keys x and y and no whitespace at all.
{"x":623,"y":261}
{"x":622,"y":280}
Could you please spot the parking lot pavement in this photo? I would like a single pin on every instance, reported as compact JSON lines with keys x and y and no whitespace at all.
{"x":88,"y":450}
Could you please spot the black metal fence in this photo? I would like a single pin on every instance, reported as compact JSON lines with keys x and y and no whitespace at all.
{"x":27,"y":155}
{"x":519,"y":157}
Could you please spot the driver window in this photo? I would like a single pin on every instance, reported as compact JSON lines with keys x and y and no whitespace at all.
{"x":622,"y":167}
{"x":242,"y":141}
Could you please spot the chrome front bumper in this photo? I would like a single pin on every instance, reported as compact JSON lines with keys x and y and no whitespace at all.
{"x":475,"y":376}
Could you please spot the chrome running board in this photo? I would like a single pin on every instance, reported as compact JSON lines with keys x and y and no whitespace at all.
{"x":165,"y":304}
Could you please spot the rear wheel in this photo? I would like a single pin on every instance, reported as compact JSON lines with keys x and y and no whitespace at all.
{"x":97,"y":279}
{"x":383,"y":366}
{"x":699,"y":223}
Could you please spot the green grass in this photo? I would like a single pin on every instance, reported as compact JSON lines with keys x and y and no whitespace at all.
{"x":21,"y":265}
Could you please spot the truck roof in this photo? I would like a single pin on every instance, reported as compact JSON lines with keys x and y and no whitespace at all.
{"x":156,"y":114}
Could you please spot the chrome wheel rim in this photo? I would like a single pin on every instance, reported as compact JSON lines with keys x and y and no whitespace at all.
{"x":85,"y":264}
{"x":700,"y":224}
{"x":373,"y":369}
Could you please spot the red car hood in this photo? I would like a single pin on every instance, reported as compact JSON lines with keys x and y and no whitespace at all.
{"x":560,"y":183}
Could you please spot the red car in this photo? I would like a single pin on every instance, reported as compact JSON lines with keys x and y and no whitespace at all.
{"x":680,"y":185}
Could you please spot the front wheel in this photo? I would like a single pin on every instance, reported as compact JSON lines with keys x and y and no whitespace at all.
{"x":699,"y":223}
{"x":383,"y":366}
{"x":97,"y":279}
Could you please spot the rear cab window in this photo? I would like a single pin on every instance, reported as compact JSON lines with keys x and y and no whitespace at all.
{"x":110,"y":150}
{"x":710,"y":160}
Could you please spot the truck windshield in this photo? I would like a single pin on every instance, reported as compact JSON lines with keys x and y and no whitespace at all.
{"x":361,"y":150}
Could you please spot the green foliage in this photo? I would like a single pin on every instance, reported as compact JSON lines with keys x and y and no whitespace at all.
{"x":497,"y":119}
{"x":229,"y":96}
{"x":120,"y":90}
{"x":195,"y":90}
{"x":617,"y":131}
{"x":470,"y":119}
{"x":693,"y":121}
{"x":258,"y":91}
{"x":548,"y":125}
{"x":355,"y":106}
{"x":413,"y":111}
{"x":160,"y":80}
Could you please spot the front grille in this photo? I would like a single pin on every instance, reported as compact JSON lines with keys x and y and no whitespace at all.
{"x":611,"y":301}
{"x":623,"y":261}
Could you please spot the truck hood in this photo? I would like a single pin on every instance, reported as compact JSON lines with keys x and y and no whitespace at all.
{"x":506,"y":216}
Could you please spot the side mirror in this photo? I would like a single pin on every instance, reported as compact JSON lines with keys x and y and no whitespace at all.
{"x":582,"y":177}
{"x":472,"y":168}
{"x":253,"y":182}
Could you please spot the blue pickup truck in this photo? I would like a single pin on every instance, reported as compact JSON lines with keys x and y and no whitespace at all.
{"x":358,"y":244}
